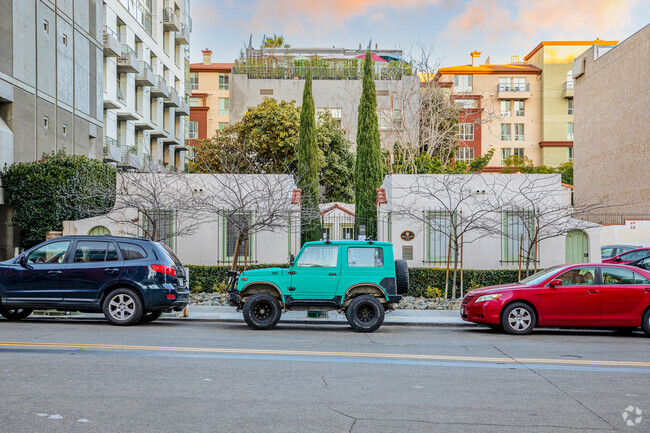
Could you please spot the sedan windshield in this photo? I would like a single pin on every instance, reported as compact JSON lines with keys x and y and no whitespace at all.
{"x":539,"y":276}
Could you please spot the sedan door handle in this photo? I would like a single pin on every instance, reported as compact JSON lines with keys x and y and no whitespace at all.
{"x":592,"y":291}
{"x":55,"y":272}
{"x":332,"y":273}
{"x":647,"y":290}
{"x":111,"y":270}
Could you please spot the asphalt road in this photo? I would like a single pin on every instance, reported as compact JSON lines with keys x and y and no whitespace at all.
{"x":172,"y":376}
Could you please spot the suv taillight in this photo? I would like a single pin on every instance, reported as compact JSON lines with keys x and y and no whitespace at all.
{"x":164,"y":269}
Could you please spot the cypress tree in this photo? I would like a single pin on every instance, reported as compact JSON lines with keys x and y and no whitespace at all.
{"x":308,"y":166}
{"x":368,"y":169}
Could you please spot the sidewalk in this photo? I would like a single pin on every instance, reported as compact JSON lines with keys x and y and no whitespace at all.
{"x":229,"y":314}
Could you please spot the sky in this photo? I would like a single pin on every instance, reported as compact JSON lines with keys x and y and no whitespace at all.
{"x":447,"y":30}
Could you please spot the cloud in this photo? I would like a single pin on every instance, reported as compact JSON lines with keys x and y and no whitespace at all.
{"x":297,"y":16}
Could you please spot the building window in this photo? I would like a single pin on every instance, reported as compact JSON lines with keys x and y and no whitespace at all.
{"x":517,"y":230}
{"x":223,"y":81}
{"x":389,"y":119}
{"x":506,"y":109}
{"x":164,"y":228}
{"x":194,"y":81}
{"x":505,"y":132}
{"x":519,"y":84}
{"x":335,"y":113}
{"x":569,"y":153}
{"x":505,"y":154}
{"x":569,"y":131}
{"x":46,"y":26}
{"x":65,"y":39}
{"x":519,"y":108}
{"x":222,"y":125}
{"x":519,"y":152}
{"x":569,"y":109}
{"x":439,"y":226}
{"x":195,"y":102}
{"x":465,"y":103}
{"x":118,"y":88}
{"x":46,"y":122}
{"x":462,"y":83}
{"x":223,"y":106}
{"x":194,"y":130}
{"x":64,"y":129}
{"x":465,"y":154}
{"x":504,"y":84}
{"x":232,"y":224}
{"x":466,"y":131}
{"x":519,"y":132}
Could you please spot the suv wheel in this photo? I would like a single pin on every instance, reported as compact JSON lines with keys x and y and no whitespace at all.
{"x":262,"y":311}
{"x":150,"y":316}
{"x":519,"y":318}
{"x":645,"y":322}
{"x":402,"y":276}
{"x":15,"y":313}
{"x":122,"y":307}
{"x":365,"y":313}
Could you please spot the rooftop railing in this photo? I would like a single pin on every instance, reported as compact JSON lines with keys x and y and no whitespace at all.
{"x":320,"y":72}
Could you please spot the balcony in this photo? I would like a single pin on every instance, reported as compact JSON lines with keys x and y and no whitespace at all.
{"x":171,"y":22}
{"x":111,"y":150}
{"x":184,"y":109}
{"x":146,"y":76}
{"x":173,"y":100}
{"x":159,"y":88}
{"x":182,"y":36}
{"x":112,"y":102}
{"x":127,"y":115}
{"x":568,"y":89}
{"x":130,"y":159}
{"x":112,"y":46}
{"x":128,"y":60}
{"x":513,"y":91}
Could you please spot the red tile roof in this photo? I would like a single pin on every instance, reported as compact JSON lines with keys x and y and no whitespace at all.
{"x":211,"y":67}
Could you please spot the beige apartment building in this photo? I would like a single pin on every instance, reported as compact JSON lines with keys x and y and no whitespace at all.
{"x":210,"y":101}
{"x":612,"y":143}
{"x":523,"y":108}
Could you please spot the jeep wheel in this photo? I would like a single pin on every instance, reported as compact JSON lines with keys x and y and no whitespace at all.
{"x":365,"y":313}
{"x":15,"y":314}
{"x":122,"y":307}
{"x":402,"y":276}
{"x":262,"y":311}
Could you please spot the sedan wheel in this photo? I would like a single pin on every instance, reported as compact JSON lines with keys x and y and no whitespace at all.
{"x":519,"y":318}
{"x":122,"y":307}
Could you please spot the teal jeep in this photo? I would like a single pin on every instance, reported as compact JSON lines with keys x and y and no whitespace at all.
{"x":360,"y":278}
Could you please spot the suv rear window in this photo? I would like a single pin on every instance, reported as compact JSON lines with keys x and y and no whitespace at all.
{"x":171,"y":254}
{"x":132,"y":251}
{"x":367,"y":257}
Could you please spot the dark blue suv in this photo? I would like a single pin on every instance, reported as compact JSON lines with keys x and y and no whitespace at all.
{"x":130,"y":280}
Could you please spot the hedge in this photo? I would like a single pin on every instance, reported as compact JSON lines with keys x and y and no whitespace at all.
{"x":213,"y":278}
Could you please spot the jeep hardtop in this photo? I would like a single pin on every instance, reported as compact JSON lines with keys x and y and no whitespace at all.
{"x":360,"y":278}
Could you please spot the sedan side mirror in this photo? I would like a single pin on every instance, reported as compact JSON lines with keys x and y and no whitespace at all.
{"x":617,"y":259}
{"x":292,"y":258}
{"x":22,"y":261}
{"x":556,"y":282}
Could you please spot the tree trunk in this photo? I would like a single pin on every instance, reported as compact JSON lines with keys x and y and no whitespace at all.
{"x":240,"y":238}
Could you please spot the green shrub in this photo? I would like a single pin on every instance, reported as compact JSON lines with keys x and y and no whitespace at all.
{"x":422,"y":281}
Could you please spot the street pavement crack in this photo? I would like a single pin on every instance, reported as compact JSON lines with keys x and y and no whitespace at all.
{"x":550,"y":382}
{"x":354,"y":420}
{"x":324,"y":381}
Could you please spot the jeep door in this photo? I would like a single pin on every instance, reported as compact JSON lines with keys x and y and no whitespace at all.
{"x":316,"y":273}
{"x":364,"y":264}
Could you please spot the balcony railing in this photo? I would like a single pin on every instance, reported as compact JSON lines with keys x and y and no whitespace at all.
{"x":515,"y":87}
{"x":146,"y":76}
{"x":128,"y":60}
{"x":111,"y":151}
{"x":159,"y":89}
{"x":182,"y":36}
{"x":321,"y":72}
{"x":112,"y":46}
{"x":170,"y":20}
{"x":568,"y":85}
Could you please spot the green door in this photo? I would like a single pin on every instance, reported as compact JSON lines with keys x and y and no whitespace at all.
{"x":577,"y":247}
{"x":317,"y":273}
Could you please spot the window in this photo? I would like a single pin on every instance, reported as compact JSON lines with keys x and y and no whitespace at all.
{"x":232,"y":225}
{"x":465,"y":103}
{"x":347,"y":231}
{"x":465,"y":154}
{"x":505,"y":154}
{"x":131,"y":251}
{"x":569,"y":153}
{"x":366,"y":257}
{"x":519,"y":84}
{"x":194,"y":130}
{"x":519,"y":132}
{"x":569,"y":104}
{"x":579,"y":277}
{"x":519,"y":108}
{"x":195,"y":102}
{"x":389,"y":119}
{"x":64,"y":129}
{"x":439,"y":227}
{"x":334,"y":113}
{"x":94,"y":251}
{"x":506,"y":109}
{"x":46,"y":122}
{"x":462,"y":83}
{"x":222,"y":125}
{"x":223,"y":82}
{"x":466,"y":131}
{"x":164,"y":225}
{"x":65,"y":39}
{"x":613,"y":276}
{"x":50,"y":253}
{"x":319,"y":257}
{"x":517,"y":228}
{"x":223,"y":106}
{"x":640,"y":279}
{"x":118,"y":88}
{"x":519,"y":152}
{"x":397,"y":119}
{"x":46,"y":26}
{"x":505,"y":132}
{"x":99,"y":230}
{"x":569,"y":131}
{"x":634,"y":255}
{"x":327,"y":231}
{"x":194,"y":81}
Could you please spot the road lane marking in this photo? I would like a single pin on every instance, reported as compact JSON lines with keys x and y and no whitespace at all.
{"x":307,"y":353}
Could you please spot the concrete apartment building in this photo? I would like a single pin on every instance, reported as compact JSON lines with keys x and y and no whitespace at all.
{"x":209,"y":104}
{"x":146,"y":83}
{"x":612,"y":144}
{"x":520,"y":108}
{"x":279,"y":73}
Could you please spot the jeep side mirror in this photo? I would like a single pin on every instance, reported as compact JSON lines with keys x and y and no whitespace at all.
{"x":291,"y":259}
{"x":556,"y":282}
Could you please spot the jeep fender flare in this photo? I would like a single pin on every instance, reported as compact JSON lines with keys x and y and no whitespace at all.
{"x":364,"y":289}
{"x":262,"y":287}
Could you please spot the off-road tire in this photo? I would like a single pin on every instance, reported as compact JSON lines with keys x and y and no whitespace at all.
{"x":402,"y":276}
{"x":122,"y":307}
{"x":262,"y":311}
{"x":645,"y":322}
{"x":150,"y":316}
{"x":518,"y":319}
{"x":15,"y":313}
{"x":365,"y":313}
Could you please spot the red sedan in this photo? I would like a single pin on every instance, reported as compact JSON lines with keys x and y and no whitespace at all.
{"x":582,"y":295}
{"x":629,"y":256}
